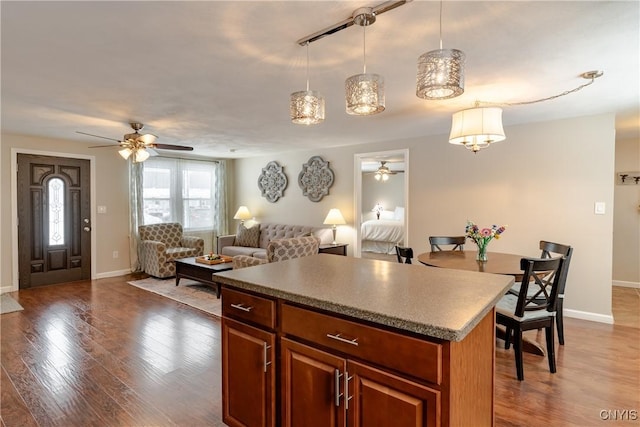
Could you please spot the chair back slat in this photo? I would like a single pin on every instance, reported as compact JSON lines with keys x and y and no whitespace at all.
{"x":548,"y":251}
{"x":545,"y":274}
{"x":456,"y":241}
{"x":404,"y":255}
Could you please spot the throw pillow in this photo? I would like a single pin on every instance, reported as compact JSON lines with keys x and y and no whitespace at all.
{"x":249,"y":237}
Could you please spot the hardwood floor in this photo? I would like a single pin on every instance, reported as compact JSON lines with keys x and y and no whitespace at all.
{"x":105,"y":353}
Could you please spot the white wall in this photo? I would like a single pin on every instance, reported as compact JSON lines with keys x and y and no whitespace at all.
{"x":389,"y":194}
{"x":542,"y":181}
{"x":626,"y":217}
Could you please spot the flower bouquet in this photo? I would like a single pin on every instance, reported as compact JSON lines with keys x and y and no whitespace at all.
{"x":482,"y":237}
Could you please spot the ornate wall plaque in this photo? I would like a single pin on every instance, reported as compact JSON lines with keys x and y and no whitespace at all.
{"x":315,"y":179}
{"x":272,"y":182}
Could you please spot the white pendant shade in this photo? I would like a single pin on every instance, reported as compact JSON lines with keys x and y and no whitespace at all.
{"x":140,"y":155}
{"x":477,"y":128}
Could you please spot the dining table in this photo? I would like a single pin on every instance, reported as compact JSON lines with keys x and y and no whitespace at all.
{"x":497,"y":263}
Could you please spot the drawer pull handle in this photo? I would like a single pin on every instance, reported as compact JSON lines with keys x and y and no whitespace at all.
{"x":266,"y":363}
{"x":241,"y":307}
{"x":338,"y":337}
{"x":337,"y":386}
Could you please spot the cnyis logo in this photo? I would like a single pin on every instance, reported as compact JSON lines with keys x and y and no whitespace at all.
{"x":619,"y":414}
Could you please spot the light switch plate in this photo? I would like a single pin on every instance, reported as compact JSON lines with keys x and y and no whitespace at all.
{"x":599,"y":208}
{"x":102,"y":209}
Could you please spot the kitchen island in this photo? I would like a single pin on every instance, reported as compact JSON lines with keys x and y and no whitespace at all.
{"x":326,"y":340}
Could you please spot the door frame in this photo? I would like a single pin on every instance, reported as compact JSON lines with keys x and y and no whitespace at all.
{"x":14,"y":208}
{"x":357,"y":194}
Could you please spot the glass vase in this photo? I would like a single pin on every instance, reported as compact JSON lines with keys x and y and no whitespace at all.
{"x":482,"y":253}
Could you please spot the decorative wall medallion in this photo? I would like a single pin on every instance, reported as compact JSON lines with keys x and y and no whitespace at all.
{"x":272,"y":182}
{"x":315,"y":179}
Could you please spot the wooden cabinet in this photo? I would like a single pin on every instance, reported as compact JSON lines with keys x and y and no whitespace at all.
{"x":336,"y":371}
{"x":248,"y":360}
{"x":322,"y":389}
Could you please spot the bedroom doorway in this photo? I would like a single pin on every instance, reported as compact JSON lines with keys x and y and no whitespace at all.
{"x":381,"y":198}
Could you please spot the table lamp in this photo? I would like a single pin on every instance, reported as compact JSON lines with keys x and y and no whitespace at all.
{"x":242,"y":214}
{"x":334,"y":217}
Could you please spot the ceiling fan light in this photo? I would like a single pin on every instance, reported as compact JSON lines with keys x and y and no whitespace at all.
{"x":125,"y":153}
{"x":385,"y":177}
{"x":440,"y":74}
{"x":477,"y":128}
{"x":147,"y":138}
{"x":307,"y":107}
{"x":140,"y":155}
{"x":364,"y":94}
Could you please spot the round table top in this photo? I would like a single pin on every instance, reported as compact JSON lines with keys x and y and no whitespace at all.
{"x":497,"y":263}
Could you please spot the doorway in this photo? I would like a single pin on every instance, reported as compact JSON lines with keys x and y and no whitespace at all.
{"x":53,"y":204}
{"x":381,"y":186}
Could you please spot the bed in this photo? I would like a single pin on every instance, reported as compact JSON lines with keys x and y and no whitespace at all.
{"x":382,"y":235}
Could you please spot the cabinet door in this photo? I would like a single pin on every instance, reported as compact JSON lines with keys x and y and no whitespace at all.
{"x":378,"y":398}
{"x":248,"y":386}
{"x":312,"y":385}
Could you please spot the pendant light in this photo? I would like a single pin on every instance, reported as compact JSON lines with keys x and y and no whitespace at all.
{"x":364,"y":92}
{"x":440,"y":72}
{"x":477,"y":128}
{"x":307,"y":106}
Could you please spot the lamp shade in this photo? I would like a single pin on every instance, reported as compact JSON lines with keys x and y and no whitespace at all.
{"x":364,"y":94}
{"x":140,"y":155}
{"x":477,"y":128}
{"x":334,"y":217}
{"x":440,"y":74}
{"x":307,"y":107}
{"x":125,"y":153}
{"x":242,"y":213}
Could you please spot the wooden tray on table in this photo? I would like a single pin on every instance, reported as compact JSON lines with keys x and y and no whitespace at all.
{"x":221,"y":260}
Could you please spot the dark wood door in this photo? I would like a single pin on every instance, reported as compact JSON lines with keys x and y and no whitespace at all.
{"x":54,"y":212}
{"x":381,"y":399}
{"x":312,"y":386}
{"x":248,"y":386}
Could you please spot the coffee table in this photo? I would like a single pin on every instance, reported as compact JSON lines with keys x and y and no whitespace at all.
{"x":190,"y":269}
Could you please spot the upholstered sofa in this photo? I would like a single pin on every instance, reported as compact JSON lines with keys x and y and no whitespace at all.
{"x":161,"y":244}
{"x":281,"y":250}
{"x":237,"y":244}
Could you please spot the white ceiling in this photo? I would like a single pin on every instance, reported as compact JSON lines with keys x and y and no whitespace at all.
{"x":217,"y":75}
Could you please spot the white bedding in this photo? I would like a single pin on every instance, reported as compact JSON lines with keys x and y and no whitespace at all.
{"x":381,"y":235}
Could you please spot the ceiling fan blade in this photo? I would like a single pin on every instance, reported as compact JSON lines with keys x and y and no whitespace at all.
{"x":171,"y":147}
{"x":104,"y":146}
{"x":98,"y":136}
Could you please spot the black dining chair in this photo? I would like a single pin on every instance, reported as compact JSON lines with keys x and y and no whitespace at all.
{"x":519,"y":313}
{"x":404,"y":254}
{"x":550,"y":249}
{"x":456,"y":241}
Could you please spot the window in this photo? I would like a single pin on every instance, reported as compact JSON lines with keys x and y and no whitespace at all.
{"x":177,"y":190}
{"x":56,"y":211}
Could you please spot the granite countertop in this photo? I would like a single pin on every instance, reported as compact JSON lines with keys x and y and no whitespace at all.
{"x":430,"y":301}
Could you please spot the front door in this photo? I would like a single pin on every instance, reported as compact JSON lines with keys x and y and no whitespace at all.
{"x":54,"y":229}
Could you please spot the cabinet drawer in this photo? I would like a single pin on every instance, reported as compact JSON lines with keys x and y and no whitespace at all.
{"x":243,"y":306}
{"x":412,"y":356}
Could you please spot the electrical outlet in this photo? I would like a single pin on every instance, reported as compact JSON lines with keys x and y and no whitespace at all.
{"x":115,"y":254}
{"x":102,"y":209}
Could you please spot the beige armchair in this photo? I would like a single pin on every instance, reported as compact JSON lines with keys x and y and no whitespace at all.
{"x":162,"y":244}
{"x":280,"y":250}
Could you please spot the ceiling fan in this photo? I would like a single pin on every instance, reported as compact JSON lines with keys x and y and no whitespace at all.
{"x":383,"y":172}
{"x":137,"y":145}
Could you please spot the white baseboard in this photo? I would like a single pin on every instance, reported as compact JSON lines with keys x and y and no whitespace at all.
{"x":635,"y":285}
{"x":585,"y":315}
{"x":5,"y":289}
{"x":113,"y":273}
